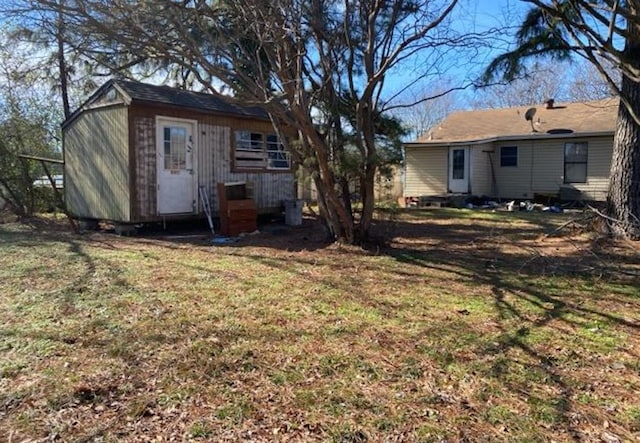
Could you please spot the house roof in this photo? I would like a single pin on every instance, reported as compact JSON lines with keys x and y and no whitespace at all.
{"x":592,"y":117}
{"x":146,"y":93}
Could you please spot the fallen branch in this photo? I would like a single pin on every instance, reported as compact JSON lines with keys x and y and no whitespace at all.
{"x":608,"y":218}
{"x":564,"y":225}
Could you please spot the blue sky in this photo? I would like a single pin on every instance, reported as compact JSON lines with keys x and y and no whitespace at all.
{"x":470,"y":15}
{"x":460,"y":64}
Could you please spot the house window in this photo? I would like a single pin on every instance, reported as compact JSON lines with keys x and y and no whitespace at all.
{"x":508,"y":156}
{"x":254,"y":150}
{"x":575,"y":162}
{"x":457,"y":172}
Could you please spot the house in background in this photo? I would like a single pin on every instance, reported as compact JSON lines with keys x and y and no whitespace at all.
{"x":137,"y":153}
{"x":516,"y":153}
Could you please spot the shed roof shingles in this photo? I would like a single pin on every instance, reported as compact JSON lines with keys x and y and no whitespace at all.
{"x":467,"y":126}
{"x":188,"y":99}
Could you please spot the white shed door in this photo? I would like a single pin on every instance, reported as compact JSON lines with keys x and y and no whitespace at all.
{"x":459,"y":170}
{"x":176,"y":174}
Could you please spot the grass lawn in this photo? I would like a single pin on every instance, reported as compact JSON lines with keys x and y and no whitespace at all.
{"x":465,"y":326}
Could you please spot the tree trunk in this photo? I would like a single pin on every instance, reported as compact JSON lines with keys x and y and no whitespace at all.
{"x":325,"y":214}
{"x":343,"y":182}
{"x":623,"y":203}
{"x":62,"y":63}
{"x":367,"y":186}
{"x":366,"y":127}
{"x":338,"y":223}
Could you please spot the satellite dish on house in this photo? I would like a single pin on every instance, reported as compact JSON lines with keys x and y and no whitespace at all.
{"x":528,"y":116}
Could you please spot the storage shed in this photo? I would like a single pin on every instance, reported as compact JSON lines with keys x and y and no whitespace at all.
{"x":137,"y":153}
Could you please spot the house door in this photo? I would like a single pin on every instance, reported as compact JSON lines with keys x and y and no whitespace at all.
{"x":459,"y":170}
{"x":176,"y":174}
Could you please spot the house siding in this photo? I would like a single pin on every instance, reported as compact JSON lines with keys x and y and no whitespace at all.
{"x":548,"y":169}
{"x":480,"y":174}
{"x":426,"y":171}
{"x":548,"y":165}
{"x":598,"y":169}
{"x":514,"y":182}
{"x":97,"y":180}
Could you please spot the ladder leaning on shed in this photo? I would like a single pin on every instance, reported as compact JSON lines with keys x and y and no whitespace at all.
{"x":206,"y":205}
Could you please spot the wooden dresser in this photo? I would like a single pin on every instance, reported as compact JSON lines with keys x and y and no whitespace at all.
{"x":238,"y":214}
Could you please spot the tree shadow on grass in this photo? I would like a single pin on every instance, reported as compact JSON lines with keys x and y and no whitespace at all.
{"x":519,"y":273}
{"x":523,"y":284}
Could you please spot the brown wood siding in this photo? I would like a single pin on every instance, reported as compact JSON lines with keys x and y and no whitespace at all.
{"x":234,"y":122}
{"x":214,"y":138}
{"x":426,"y":171}
{"x":97,"y":165}
{"x":268,"y":189}
{"x":145,"y":167}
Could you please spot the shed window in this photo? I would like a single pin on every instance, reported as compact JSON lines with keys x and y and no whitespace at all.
{"x":278,"y":157}
{"x":575,"y":162}
{"x":254,"y":150}
{"x":508,"y":156}
{"x":175,"y":148}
